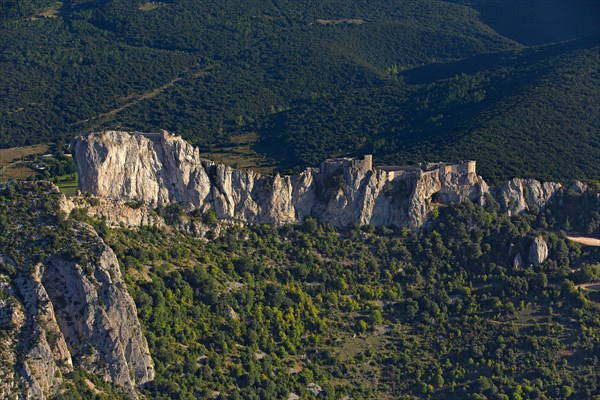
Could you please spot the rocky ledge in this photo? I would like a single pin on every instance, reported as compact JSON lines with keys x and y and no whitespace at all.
{"x":163,"y":169}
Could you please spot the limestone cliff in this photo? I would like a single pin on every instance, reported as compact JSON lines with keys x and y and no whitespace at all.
{"x":68,"y":308}
{"x":518,"y":195}
{"x":98,"y":317}
{"x":161,"y":169}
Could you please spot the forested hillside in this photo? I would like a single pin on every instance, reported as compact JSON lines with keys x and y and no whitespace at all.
{"x":476,"y":305}
{"x":408,"y":81}
{"x":535,"y":22}
{"x":261,"y":312}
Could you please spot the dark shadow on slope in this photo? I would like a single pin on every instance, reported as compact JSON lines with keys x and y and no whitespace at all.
{"x":536,"y":22}
{"x":429,"y":123}
{"x":434,"y":72}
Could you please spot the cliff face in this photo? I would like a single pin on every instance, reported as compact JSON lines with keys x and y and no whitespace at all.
{"x":33,"y":349}
{"x":160,"y":169}
{"x":518,"y":195}
{"x":538,"y":252}
{"x":48,"y":357}
{"x":62,"y":313}
{"x":97,"y":316}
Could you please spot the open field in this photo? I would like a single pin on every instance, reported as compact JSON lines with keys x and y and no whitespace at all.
{"x":11,"y":166}
{"x":48,"y":12}
{"x":149,"y":6}
{"x":17,"y":171}
{"x":239,"y":154}
{"x":67,"y":184}
{"x":586,"y":241}
{"x":11,"y":155}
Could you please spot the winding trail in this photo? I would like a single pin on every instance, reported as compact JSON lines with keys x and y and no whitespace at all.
{"x":139,"y":97}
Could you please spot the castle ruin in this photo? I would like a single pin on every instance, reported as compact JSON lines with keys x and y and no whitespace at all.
{"x":463,"y":168}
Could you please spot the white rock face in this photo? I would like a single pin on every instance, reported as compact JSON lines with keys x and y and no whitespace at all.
{"x":578,"y":187}
{"x":12,"y":320}
{"x":518,"y":261}
{"x":62,"y":314}
{"x":160,"y":169}
{"x":114,"y":213}
{"x":49,"y":355}
{"x":518,"y":195}
{"x":538,"y":252}
{"x":98,"y":317}
{"x":34,"y":333}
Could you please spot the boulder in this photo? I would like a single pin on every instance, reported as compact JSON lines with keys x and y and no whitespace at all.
{"x":538,"y":252}
{"x":518,"y":261}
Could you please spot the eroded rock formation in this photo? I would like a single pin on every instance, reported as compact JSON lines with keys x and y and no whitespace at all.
{"x":518,"y":195}
{"x":64,"y":313}
{"x":538,"y":252}
{"x":161,"y":169}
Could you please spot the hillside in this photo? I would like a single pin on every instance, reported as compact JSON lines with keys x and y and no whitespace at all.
{"x":66,"y":317}
{"x":323,"y":79}
{"x":536,"y":22}
{"x":510,"y":111}
{"x":480,"y":305}
{"x":316,"y":200}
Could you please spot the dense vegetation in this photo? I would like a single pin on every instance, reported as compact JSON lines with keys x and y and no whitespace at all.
{"x":441,"y":314}
{"x":538,"y":21}
{"x":31,"y":225}
{"x":509,"y":117}
{"x":262,"y":311}
{"x":407,"y":81}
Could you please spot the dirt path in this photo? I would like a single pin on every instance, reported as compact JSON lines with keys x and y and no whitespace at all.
{"x":139,"y":97}
{"x":587,"y":241}
{"x":589,"y":286}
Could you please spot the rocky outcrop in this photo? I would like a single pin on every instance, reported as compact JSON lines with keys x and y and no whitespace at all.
{"x":578,"y":187}
{"x":518,"y":261}
{"x":135,"y":215}
{"x":65,"y":312}
{"x":158,"y":170}
{"x":33,"y":351}
{"x":12,"y":320}
{"x":47,"y":354}
{"x":161,"y":169}
{"x":518,"y":195}
{"x":114,"y":213}
{"x":98,"y":317}
{"x":538,"y":252}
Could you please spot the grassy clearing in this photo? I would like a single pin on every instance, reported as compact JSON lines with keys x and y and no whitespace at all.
{"x":354,"y":345}
{"x":239,"y":153}
{"x":149,"y":6}
{"x":11,"y":164}
{"x":530,"y":315}
{"x":17,"y":171}
{"x":67,"y":184}
{"x":14,"y":154}
{"x":50,"y":12}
